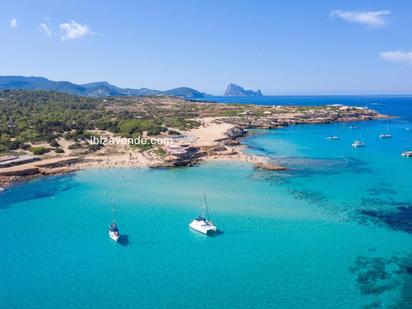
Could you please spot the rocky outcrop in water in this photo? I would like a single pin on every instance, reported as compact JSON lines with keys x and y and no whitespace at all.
{"x":270,"y":167}
{"x":235,"y":132}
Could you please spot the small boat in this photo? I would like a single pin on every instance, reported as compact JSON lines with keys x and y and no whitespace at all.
{"x":113,"y":230}
{"x":407,"y":154}
{"x":336,"y":136}
{"x":353,"y":127}
{"x":333,"y":138}
{"x":358,"y":144}
{"x":385,"y":136}
{"x":202,"y":223}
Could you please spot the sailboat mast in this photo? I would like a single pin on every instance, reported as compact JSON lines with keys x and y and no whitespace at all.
{"x":114,"y":215}
{"x":360,"y":135}
{"x":207,"y":209}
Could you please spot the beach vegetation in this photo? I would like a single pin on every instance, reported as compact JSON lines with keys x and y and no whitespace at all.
{"x":39,"y":150}
{"x":160,"y":152}
{"x":45,"y":116}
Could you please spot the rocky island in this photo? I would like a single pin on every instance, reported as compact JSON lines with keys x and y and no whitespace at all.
{"x":233,"y":90}
{"x":44,"y":132}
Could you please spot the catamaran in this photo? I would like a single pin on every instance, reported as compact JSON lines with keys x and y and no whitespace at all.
{"x":407,"y":154}
{"x":113,"y":230}
{"x":202,"y":223}
{"x":358,"y":144}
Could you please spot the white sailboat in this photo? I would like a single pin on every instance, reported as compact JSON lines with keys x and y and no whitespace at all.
{"x":358,"y":143}
{"x":113,"y":230}
{"x":334,"y":137}
{"x":202,"y":223}
{"x":387,"y":134}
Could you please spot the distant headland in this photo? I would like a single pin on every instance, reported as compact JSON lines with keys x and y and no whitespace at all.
{"x":105,"y":89}
{"x":95,"y":89}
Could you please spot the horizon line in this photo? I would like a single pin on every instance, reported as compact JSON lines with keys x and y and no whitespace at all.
{"x":214,"y":93}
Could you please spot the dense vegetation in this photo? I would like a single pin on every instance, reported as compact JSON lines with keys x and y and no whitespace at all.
{"x":42,"y":116}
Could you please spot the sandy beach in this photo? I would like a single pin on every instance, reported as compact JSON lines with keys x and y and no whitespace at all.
{"x":208,"y":134}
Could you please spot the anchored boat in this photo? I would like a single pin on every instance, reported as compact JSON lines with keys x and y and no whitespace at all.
{"x":333,"y":138}
{"x":336,"y":136}
{"x":387,"y":134}
{"x":407,"y":154}
{"x":113,"y":230}
{"x":202,"y":223}
{"x":358,"y":144}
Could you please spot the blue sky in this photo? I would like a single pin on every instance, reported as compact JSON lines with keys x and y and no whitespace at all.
{"x":281,"y":47}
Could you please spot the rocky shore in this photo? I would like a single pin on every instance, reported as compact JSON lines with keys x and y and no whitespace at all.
{"x":280,"y":117}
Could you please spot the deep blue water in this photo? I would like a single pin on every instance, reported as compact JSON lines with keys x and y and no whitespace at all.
{"x":400,"y":105}
{"x":332,"y":232}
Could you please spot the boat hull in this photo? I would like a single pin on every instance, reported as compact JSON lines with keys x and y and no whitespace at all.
{"x":201,"y":227}
{"x":114,"y":236}
{"x":407,"y":154}
{"x":358,"y":144}
{"x":333,"y":138}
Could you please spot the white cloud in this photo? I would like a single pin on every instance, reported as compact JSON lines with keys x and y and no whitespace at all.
{"x":46,"y":29}
{"x":397,"y":56}
{"x":373,"y":19}
{"x":72,"y":30}
{"x":13,"y":23}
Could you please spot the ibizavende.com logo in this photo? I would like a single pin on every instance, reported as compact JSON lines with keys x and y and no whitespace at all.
{"x":98,"y":140}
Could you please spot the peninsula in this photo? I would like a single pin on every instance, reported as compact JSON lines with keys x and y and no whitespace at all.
{"x":44,"y":132}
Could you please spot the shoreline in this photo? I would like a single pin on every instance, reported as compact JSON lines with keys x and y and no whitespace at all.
{"x":217,"y":139}
{"x":258,"y":161}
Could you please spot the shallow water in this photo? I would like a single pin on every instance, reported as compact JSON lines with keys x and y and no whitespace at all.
{"x":332,"y":232}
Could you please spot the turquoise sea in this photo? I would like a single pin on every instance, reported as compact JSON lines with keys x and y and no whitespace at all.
{"x":334,"y":231}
